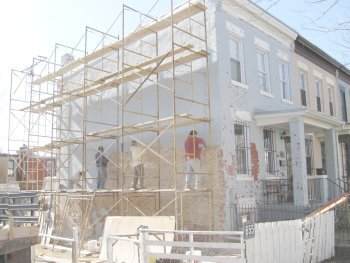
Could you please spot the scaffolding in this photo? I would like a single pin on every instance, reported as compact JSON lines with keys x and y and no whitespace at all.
{"x":148,"y":84}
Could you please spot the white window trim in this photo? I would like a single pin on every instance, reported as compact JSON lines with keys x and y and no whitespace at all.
{"x":283,"y":56}
{"x":266,"y":61}
{"x":331,"y":87}
{"x":330,"y":81}
{"x":235,"y":30}
{"x":246,"y":177}
{"x":287,"y":81}
{"x":267,"y":94}
{"x":306,"y":85}
{"x":287,"y":101}
{"x":239,"y":38}
{"x":318,"y":74}
{"x":262,"y":44}
{"x":320,"y":87}
{"x":303,"y":66}
{"x":242,"y":116}
{"x":238,"y":84}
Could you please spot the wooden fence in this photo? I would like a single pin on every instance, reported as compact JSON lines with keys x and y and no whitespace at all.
{"x":306,"y":241}
{"x":309,"y":240}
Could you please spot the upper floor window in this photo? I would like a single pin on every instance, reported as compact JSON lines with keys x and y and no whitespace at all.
{"x":241,"y":130}
{"x":270,"y":152}
{"x":343,"y":105}
{"x":331,"y":100}
{"x":318,"y":86}
{"x":262,"y":60}
{"x":236,"y":59}
{"x":283,"y":73}
{"x":303,"y":87}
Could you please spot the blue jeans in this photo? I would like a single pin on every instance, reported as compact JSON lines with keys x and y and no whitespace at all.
{"x":102,"y":176}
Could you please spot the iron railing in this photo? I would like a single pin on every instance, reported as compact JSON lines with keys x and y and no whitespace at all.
{"x":320,"y":190}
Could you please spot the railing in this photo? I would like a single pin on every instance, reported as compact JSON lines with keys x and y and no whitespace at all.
{"x":192,"y":246}
{"x":345,"y":184}
{"x":277,"y":190}
{"x":19,"y":208}
{"x":320,"y":189}
{"x":74,"y":241}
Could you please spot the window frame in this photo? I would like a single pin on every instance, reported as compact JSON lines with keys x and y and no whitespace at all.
{"x":270,"y":154}
{"x":265,"y":71}
{"x":242,"y":152}
{"x":303,"y":87}
{"x":285,"y":81}
{"x":343,"y":107}
{"x":239,"y":43}
{"x":331,"y":101}
{"x":11,"y":167}
{"x":319,"y":94}
{"x":309,"y":155}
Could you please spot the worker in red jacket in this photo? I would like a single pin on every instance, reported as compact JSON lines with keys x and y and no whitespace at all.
{"x":193,"y":148}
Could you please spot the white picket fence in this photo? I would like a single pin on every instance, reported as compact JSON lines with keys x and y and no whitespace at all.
{"x":311,"y":240}
{"x":319,"y":237}
{"x":152,"y":245}
{"x":296,"y":241}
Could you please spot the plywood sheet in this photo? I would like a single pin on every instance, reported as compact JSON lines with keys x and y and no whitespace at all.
{"x":127,"y":225}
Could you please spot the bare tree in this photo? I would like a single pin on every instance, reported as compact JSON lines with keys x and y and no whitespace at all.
{"x":328,"y":18}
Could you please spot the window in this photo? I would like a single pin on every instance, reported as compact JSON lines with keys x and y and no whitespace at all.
{"x":262,"y":71}
{"x":235,"y":59}
{"x":331,"y":100}
{"x":318,"y":85}
{"x":343,"y":105}
{"x":303,"y":87}
{"x":10,"y":168}
{"x":285,"y":91}
{"x":309,"y":156}
{"x":270,"y":153}
{"x":241,"y":130}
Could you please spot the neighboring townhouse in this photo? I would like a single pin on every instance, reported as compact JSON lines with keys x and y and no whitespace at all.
{"x":322,"y":87}
{"x":266,"y":105}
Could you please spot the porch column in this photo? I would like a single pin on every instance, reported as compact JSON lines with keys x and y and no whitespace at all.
{"x":330,"y":139}
{"x":297,"y":136}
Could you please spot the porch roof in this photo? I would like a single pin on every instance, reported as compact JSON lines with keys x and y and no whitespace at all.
{"x":310,"y":118}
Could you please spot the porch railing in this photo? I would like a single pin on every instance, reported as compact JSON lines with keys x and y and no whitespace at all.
{"x":320,"y":190}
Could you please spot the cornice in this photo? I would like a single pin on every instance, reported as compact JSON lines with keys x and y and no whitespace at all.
{"x":260,"y":19}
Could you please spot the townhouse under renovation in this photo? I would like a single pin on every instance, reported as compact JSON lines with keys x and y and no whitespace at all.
{"x":271,"y":106}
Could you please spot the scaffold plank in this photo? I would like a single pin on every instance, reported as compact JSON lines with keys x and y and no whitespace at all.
{"x":51,"y":103}
{"x":182,"y":120}
{"x":176,"y":17}
{"x":60,"y":99}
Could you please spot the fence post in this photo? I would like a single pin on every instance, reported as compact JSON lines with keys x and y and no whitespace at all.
{"x":191,"y":248}
{"x":109,"y":250}
{"x":75,"y":245}
{"x":142,"y":238}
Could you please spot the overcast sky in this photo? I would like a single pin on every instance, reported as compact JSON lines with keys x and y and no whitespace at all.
{"x":30,"y":28}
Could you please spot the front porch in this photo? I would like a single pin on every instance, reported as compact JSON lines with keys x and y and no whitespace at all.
{"x":307,"y":169}
{"x":277,"y":201}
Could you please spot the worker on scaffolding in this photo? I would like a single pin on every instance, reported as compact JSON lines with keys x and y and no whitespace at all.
{"x":102,"y":166}
{"x":137,"y":163}
{"x":193,"y":148}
